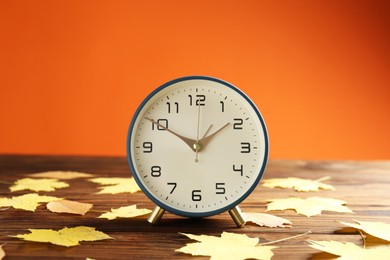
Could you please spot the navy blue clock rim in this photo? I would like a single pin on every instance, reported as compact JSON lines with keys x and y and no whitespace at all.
{"x":206,"y":213}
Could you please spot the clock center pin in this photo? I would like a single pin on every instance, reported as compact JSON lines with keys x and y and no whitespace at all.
{"x":197,"y":146}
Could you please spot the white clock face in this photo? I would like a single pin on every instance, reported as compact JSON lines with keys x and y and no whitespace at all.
{"x":197,"y":146}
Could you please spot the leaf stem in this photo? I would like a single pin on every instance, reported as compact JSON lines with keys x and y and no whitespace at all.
{"x":363,"y":238}
{"x":5,"y":182}
{"x":284,"y":239}
{"x":98,"y":211}
{"x":325,"y":178}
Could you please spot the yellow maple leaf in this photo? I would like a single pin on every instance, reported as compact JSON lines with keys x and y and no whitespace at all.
{"x":348,"y":250}
{"x":298,"y":184}
{"x":68,"y":206}
{"x":228,"y":246}
{"x":116,"y":185}
{"x":26,"y":202}
{"x":377,"y":229}
{"x":125,"y":212}
{"x":267,"y":220}
{"x":62,"y":175}
{"x":2,"y":253}
{"x":64,"y":237}
{"x":309,"y":206}
{"x":38,"y":184}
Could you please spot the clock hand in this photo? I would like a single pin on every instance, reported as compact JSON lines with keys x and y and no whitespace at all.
{"x":205,"y":140}
{"x":198,"y":124}
{"x":190,"y":142}
{"x":207,"y":131}
{"x":196,"y":145}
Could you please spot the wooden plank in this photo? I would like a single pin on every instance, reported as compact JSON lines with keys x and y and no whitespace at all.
{"x":364,"y":185}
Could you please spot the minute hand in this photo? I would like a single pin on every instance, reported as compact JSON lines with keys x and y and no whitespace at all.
{"x":190,"y":142}
{"x":205,"y":140}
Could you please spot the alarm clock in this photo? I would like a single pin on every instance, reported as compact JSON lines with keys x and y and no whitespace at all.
{"x":197,"y":146}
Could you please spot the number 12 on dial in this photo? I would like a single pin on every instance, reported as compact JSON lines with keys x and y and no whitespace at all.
{"x":197,"y":146}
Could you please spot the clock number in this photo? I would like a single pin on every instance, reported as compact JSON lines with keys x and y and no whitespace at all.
{"x":238,"y":123}
{"x":200,"y":99}
{"x":245,"y":147}
{"x":222,"y":106}
{"x":239,"y":169}
{"x":148,"y":146}
{"x":174,"y":184}
{"x":196,"y":195}
{"x":176,"y":105}
{"x":155,"y":171}
{"x":220,"y":187}
{"x":162,"y":124}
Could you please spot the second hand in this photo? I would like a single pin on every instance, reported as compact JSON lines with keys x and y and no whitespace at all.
{"x":197,"y":145}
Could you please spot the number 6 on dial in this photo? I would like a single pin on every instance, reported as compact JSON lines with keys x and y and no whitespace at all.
{"x":197,"y":146}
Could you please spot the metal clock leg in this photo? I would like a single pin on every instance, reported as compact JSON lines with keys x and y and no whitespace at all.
{"x":156,"y":215}
{"x":237,"y":216}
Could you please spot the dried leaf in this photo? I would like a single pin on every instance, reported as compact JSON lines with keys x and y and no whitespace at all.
{"x":26,"y":202}
{"x":267,"y":220}
{"x":125,"y":212}
{"x":298,"y":184}
{"x":348,"y":250}
{"x":228,"y":246}
{"x":377,"y":229}
{"x":309,"y":206}
{"x":64,"y":237}
{"x":61,"y":175}
{"x":117,"y":185}
{"x":68,"y":206}
{"x":38,"y":184}
{"x":2,"y":253}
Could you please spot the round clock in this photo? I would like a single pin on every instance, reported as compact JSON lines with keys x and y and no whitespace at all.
{"x":197,"y":146}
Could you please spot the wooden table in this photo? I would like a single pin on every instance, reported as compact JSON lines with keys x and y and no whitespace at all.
{"x":364,"y":185}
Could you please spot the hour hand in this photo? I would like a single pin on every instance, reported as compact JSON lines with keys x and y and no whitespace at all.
{"x":188,"y":141}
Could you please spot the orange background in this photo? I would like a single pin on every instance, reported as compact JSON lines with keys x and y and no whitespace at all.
{"x":73,"y":72}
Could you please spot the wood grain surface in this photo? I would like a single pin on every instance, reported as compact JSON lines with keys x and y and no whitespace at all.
{"x":364,"y":185}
